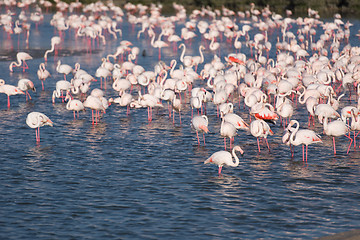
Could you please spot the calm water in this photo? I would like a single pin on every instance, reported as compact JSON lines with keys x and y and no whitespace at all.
{"x":127,"y":178}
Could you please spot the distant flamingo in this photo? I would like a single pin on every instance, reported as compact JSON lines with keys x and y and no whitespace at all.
{"x":37,"y":120}
{"x":54,"y":41}
{"x":200,"y":124}
{"x":21,"y":58}
{"x":222,"y":158}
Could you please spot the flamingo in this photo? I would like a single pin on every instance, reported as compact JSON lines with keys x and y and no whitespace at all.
{"x":227,"y":130}
{"x":158,"y":44}
{"x":9,"y":90}
{"x":42,"y":74}
{"x":303,"y":136}
{"x":37,"y":120}
{"x":94,"y":103}
{"x":259,"y":128}
{"x":63,"y":68}
{"x":200,"y":124}
{"x":25,"y":85}
{"x":60,"y":87}
{"x":236,"y":120}
{"x":222,"y":158}
{"x":54,"y":41}
{"x":21,"y":58}
{"x":335,"y":129}
{"x":74,"y":105}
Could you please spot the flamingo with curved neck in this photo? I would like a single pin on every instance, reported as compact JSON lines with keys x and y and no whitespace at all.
{"x":222,"y":158}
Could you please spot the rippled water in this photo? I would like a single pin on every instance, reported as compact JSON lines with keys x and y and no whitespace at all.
{"x":130,"y":179}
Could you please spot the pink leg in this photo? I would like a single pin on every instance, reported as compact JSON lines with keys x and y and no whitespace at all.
{"x":351,"y":140}
{"x":225,"y":143}
{"x":220,"y":170}
{"x":334,"y":145}
{"x":197,"y":135}
{"x":258,"y":144}
{"x":8,"y":101}
{"x":303,"y":152}
{"x":306,"y":152}
{"x":204,"y":138}
{"x":267,"y":143}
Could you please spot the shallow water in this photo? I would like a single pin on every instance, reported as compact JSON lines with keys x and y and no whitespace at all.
{"x":129,"y":178}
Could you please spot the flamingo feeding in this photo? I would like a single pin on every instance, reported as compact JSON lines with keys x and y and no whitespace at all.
{"x":37,"y":120}
{"x":21,"y":58}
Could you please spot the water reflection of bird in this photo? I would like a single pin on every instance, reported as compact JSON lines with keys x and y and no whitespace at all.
{"x":222,"y":158}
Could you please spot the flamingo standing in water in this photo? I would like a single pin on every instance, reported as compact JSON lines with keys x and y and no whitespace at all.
{"x":227,"y":130}
{"x":74,"y":105}
{"x":303,"y":136}
{"x":37,"y":120}
{"x":259,"y":128}
{"x":335,"y":129}
{"x":25,"y":85}
{"x":222,"y":158}
{"x":9,"y":90}
{"x":63,"y":68}
{"x":54,"y":41}
{"x":21,"y":58}
{"x":42,"y":74}
{"x":200,"y":124}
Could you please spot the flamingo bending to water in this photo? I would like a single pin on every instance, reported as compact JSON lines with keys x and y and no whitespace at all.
{"x":37,"y":120}
{"x":21,"y":58}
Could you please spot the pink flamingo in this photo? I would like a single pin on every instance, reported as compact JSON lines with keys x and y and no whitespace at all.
{"x":222,"y":158}
{"x":303,"y":136}
{"x":9,"y":90}
{"x":37,"y":120}
{"x":21,"y":58}
{"x":200,"y":124}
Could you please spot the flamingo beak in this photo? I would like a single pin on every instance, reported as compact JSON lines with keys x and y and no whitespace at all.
{"x":49,"y":122}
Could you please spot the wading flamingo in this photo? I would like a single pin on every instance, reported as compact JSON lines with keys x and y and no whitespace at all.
{"x":222,"y":158}
{"x":37,"y":120}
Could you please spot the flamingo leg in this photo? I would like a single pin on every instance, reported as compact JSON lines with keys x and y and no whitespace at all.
{"x":74,"y":115}
{"x":225,"y":143}
{"x":8,"y":101}
{"x":258,"y":143}
{"x":220,"y":167}
{"x":334,"y":145}
{"x":197,"y":135}
{"x":36,"y":134}
{"x":306,"y":152}
{"x":303,"y":152}
{"x":351,"y":140}
{"x":92,"y":116}
{"x":42,"y":84}
{"x":267,"y":143}
{"x":204,"y":138}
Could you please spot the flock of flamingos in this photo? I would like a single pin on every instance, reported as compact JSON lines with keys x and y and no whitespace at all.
{"x":319,"y":72}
